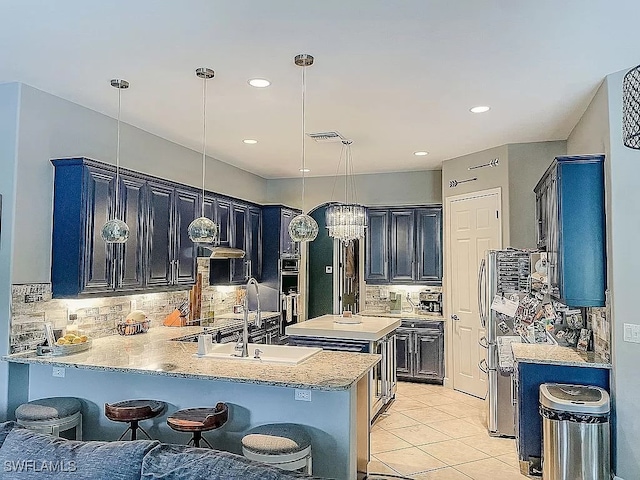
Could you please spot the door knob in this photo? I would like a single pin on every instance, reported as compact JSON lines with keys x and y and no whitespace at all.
{"x":455,"y":318}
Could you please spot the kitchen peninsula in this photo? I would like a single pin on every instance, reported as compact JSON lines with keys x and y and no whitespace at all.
{"x":150,"y":365}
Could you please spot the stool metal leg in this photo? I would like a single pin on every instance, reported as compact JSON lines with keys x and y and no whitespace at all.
{"x":79,"y":429}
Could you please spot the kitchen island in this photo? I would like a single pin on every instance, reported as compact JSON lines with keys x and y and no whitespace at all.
{"x":356,"y":334}
{"x":151,"y":365}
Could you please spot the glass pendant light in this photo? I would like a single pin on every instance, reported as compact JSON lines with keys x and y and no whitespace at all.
{"x":346,"y":221}
{"x":116,"y":230}
{"x":203,"y":229}
{"x":303,"y":228}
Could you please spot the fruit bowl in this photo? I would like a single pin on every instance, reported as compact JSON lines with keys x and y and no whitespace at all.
{"x":132,"y":328}
{"x":70,"y":348}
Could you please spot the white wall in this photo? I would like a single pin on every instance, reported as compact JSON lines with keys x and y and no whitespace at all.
{"x":624,"y":264}
{"x":9,"y":108}
{"x":527,"y":163}
{"x":51,"y":127}
{"x":403,"y":188}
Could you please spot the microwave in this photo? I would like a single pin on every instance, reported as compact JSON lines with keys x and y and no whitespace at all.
{"x":290,"y":264}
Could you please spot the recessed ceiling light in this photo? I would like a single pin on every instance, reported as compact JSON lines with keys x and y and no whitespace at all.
{"x":420,"y":154}
{"x":305,"y":170}
{"x":259,"y":82}
{"x":480,"y":109}
{"x":249,"y":141}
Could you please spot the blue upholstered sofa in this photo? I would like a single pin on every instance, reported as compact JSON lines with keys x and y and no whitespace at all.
{"x":26,"y":455}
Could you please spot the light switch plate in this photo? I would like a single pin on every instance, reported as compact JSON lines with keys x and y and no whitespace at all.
{"x":631,"y":333}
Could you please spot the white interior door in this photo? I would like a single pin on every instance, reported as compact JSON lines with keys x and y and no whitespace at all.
{"x":473,"y":227}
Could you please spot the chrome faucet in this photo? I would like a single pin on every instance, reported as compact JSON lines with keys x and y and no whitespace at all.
{"x":245,"y":324}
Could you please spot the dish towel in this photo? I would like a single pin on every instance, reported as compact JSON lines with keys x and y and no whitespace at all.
{"x":288,"y":306}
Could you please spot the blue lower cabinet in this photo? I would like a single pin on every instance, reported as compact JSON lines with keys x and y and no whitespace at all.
{"x":528,"y":420}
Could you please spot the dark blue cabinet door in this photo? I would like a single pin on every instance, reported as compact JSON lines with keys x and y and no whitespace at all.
{"x":130,"y":254}
{"x":239,"y":240}
{"x":254,"y":250}
{"x":184,"y":253}
{"x":377,"y":247}
{"x":402,"y":246}
{"x":223,"y":219}
{"x":430,"y":356}
{"x":159,"y":261}
{"x":404,"y":353}
{"x":98,"y":274}
{"x":429,"y":245}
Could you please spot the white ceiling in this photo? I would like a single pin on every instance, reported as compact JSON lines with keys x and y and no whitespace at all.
{"x":394,"y":76}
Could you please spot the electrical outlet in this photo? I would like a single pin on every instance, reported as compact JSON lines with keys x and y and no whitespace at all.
{"x":303,"y":395}
{"x":58,"y":372}
{"x":328,"y":269}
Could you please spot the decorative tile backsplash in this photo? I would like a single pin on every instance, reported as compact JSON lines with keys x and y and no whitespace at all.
{"x":377,"y":296}
{"x":32,"y":306}
{"x":601,"y":325}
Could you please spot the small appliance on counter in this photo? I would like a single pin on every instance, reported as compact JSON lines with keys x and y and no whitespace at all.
{"x":395,"y":302}
{"x":430,"y":302}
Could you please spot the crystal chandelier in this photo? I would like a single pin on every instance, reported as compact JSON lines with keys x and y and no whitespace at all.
{"x":203,"y":229}
{"x":631,"y":108}
{"x":116,"y":230}
{"x":303,"y":228}
{"x":346,"y":221}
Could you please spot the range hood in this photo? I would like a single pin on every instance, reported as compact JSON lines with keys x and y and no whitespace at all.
{"x":223,"y":253}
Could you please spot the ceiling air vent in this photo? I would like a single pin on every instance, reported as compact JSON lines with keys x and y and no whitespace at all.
{"x":326,"y":137}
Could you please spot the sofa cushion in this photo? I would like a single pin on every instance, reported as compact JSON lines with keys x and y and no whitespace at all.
{"x":179,"y":462}
{"x":5,"y":428}
{"x":27,"y":455}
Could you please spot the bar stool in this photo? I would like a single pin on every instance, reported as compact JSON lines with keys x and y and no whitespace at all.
{"x":198,"y":420}
{"x":132,"y":412}
{"x":51,"y":415}
{"x":283,"y":445}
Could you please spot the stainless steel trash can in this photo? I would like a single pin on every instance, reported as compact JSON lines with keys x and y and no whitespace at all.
{"x":575,"y":432}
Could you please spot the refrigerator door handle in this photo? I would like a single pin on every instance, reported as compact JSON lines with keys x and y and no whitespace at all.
{"x":480,"y":291}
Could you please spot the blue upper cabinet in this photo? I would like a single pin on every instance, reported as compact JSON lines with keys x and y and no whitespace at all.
{"x":84,"y":199}
{"x":570,"y":212}
{"x":404,"y":245}
{"x":159,"y":254}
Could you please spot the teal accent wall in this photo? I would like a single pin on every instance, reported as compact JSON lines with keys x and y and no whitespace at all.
{"x":320,"y":255}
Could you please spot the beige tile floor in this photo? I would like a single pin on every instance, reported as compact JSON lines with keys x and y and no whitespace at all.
{"x":434,"y":433}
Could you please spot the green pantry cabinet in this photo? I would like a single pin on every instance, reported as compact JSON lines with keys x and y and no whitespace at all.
{"x":159,"y":254}
{"x":404,"y":245}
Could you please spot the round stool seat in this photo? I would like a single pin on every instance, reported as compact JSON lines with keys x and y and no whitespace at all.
{"x":51,"y":415}
{"x":276,"y":439}
{"x":48,"y":409}
{"x":133,"y":410}
{"x":198,"y":420}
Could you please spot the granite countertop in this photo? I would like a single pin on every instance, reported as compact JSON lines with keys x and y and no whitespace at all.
{"x":407,"y":315}
{"x":556,"y":355}
{"x":328,"y":326}
{"x":153,"y":353}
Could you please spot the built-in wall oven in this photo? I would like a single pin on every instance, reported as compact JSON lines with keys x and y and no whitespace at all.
{"x":382,"y":378}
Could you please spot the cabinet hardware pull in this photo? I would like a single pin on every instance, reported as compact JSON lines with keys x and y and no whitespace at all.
{"x":455,"y":318}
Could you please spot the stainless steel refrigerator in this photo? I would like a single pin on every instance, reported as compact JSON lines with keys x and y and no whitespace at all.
{"x":503,"y":274}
